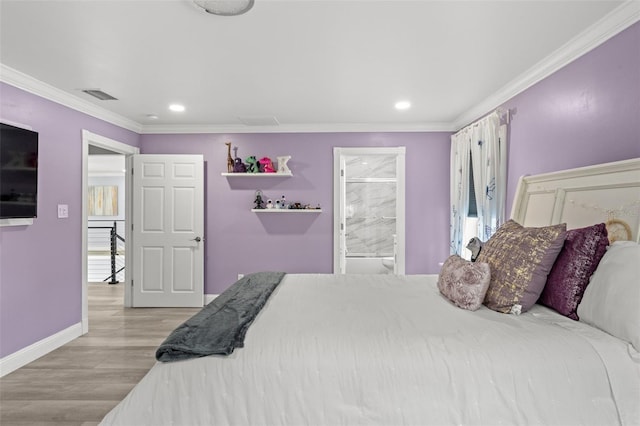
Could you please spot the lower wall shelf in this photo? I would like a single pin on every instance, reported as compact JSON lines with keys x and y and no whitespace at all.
{"x":258,"y":175}
{"x":286,"y":210}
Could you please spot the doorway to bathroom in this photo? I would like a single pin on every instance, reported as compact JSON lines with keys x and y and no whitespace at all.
{"x":369,"y":210}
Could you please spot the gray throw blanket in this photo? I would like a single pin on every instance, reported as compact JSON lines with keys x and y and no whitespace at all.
{"x":220,"y":326}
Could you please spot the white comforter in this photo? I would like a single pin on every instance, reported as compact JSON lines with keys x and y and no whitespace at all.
{"x":365,"y":350}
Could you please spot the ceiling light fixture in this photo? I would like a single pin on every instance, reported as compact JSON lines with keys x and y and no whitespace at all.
{"x":403,"y":105}
{"x":176,"y":107}
{"x":225,"y":7}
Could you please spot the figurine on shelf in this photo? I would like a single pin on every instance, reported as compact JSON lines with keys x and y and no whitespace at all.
{"x":266,"y":165}
{"x":229,"y":159}
{"x":269,"y":203}
{"x":238,"y":165}
{"x":283,"y":203}
{"x":258,"y":201}
{"x":252,"y":164}
{"x":282,"y":164}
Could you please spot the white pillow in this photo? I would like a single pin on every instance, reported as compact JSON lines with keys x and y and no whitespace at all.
{"x":611,"y":301}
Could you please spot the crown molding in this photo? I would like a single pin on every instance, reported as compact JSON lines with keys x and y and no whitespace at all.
{"x":300,"y":128}
{"x":615,"y":22}
{"x":30,"y":84}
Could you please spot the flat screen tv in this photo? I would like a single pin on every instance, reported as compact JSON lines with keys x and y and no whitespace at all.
{"x":18,"y":172}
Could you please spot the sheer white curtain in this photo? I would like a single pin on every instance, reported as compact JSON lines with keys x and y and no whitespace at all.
{"x":489,"y":154}
{"x":459,"y":195}
{"x":485,"y":142}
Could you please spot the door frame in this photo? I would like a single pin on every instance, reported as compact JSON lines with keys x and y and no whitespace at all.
{"x":338,"y":202}
{"x":89,"y":138}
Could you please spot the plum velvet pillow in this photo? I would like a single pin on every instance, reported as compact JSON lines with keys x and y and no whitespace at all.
{"x":464,"y":283}
{"x":569,"y":277}
{"x":520,"y":259}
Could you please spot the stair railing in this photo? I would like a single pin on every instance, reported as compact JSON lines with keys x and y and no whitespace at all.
{"x":114,"y":237}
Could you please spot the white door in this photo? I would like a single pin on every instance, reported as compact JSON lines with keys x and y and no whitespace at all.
{"x":168,"y":231}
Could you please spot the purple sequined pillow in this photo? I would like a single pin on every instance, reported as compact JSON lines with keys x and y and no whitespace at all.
{"x":520,"y":259}
{"x":569,"y":277}
{"x":464,"y":283}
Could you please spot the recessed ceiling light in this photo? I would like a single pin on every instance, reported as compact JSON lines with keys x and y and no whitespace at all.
{"x":403,"y":105}
{"x":176,"y":107}
{"x":152,"y":117}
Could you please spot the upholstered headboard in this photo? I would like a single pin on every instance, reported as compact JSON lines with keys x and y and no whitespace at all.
{"x":584,"y":196}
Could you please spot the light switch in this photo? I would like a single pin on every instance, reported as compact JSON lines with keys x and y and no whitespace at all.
{"x":63,"y":211}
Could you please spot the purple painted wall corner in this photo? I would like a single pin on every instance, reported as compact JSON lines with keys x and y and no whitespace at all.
{"x":586,"y":113}
{"x":40,"y":264}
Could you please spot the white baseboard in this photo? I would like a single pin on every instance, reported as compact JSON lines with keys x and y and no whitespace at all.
{"x":208,"y":298}
{"x":32,"y":352}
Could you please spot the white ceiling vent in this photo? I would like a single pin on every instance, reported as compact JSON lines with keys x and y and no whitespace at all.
{"x":97,"y":93}
{"x":259,"y":120}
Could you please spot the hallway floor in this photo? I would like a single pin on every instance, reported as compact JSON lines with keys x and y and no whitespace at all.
{"x":78,"y":383}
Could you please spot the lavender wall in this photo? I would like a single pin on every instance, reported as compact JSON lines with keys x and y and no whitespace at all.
{"x":40,"y":264}
{"x":238,"y":241}
{"x":586,"y":113}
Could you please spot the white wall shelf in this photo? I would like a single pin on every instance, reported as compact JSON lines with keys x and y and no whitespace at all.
{"x":258,"y":175}
{"x":286,"y":210}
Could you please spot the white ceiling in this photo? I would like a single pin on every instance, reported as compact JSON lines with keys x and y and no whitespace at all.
{"x":314,"y":65}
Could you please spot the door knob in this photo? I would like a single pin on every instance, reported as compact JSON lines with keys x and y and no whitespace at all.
{"x":197,"y":239}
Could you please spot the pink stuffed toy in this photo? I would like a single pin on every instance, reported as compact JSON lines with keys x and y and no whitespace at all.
{"x":266,"y":165}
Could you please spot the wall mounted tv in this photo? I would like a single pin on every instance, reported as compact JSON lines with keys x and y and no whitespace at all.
{"x":18,"y":172}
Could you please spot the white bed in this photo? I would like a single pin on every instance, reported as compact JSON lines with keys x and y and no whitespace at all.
{"x":382,"y":349}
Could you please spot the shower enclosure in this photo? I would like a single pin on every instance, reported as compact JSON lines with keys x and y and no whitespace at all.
{"x":369,"y":210}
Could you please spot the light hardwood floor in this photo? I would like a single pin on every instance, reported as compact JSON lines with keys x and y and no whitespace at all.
{"x":80,"y":382}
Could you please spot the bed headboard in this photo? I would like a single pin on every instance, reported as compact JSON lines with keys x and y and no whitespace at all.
{"x":581,"y":197}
